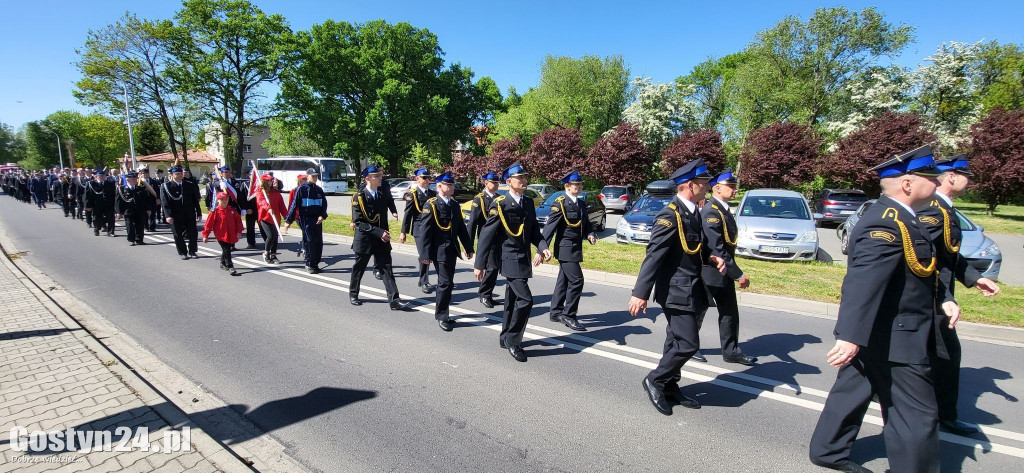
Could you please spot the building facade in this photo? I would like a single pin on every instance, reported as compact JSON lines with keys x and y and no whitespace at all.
{"x":252,"y":142}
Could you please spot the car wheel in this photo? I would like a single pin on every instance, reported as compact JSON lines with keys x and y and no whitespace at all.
{"x":600,"y":226}
{"x":844,"y":242}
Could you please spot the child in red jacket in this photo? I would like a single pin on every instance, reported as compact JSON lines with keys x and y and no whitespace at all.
{"x":225,"y":222}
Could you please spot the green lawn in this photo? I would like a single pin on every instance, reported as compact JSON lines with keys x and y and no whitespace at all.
{"x":1006,"y":219}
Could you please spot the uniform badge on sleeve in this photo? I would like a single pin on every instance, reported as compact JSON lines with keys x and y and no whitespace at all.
{"x":713,"y":220}
{"x":880,"y":235}
{"x":929,"y":220}
{"x":664,"y":223}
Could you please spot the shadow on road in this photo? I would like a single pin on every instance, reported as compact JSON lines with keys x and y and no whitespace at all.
{"x":18,"y":335}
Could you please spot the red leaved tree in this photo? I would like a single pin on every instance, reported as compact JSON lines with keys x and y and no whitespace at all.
{"x":465,"y":165}
{"x":554,"y":152}
{"x":997,"y":159}
{"x":688,"y":146}
{"x":501,"y":155}
{"x":880,"y":137}
{"x":779,"y":155}
{"x":619,"y":157}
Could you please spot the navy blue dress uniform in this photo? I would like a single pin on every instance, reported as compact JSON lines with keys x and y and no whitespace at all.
{"x":941,"y":222}
{"x":214,"y":186}
{"x":80,"y":183}
{"x":672,"y":269}
{"x":157,"y":183}
{"x":310,"y":204}
{"x":99,"y":198}
{"x":567,"y":226}
{"x":180,"y":202}
{"x":722,"y":232}
{"x":40,"y":190}
{"x":415,"y":198}
{"x":133,"y":202}
{"x":477,"y":217}
{"x":889,"y":309}
{"x":438,"y":239}
{"x":385,"y":190}
{"x":152,"y":202}
{"x":510,"y":230}
{"x":369,"y":214}
{"x":62,"y":193}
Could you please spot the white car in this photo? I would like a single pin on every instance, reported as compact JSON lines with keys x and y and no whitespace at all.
{"x":398,"y":191}
{"x":776,"y":224}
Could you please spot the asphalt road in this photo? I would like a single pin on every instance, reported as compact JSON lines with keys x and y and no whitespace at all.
{"x":367,"y":389}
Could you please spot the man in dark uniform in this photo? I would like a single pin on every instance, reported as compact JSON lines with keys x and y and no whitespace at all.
{"x":721,"y":232}
{"x":940,"y":221}
{"x":372,"y":238}
{"x":61,"y":191}
{"x":150,"y":201}
{"x":568,"y":224}
{"x":887,"y":327}
{"x":385,"y":190}
{"x":224,"y":183}
{"x":180,"y":200}
{"x":81,"y":182}
{"x":40,"y":189}
{"x":157,"y":183}
{"x":510,"y":230}
{"x":99,"y":200}
{"x":437,"y":241}
{"x":672,"y":268}
{"x":414,"y":200}
{"x":477,"y":218}
{"x":133,"y":203}
{"x":310,"y":207}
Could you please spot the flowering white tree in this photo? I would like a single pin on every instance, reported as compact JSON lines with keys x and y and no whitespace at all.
{"x":945,"y":94}
{"x":660,"y":111}
{"x":877,"y":92}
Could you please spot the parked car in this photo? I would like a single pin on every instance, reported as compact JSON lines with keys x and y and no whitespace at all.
{"x":544,"y":190}
{"x":979,"y":250}
{"x":618,"y":197}
{"x":503,"y":190}
{"x":596,"y":210}
{"x":776,"y":224}
{"x":638,"y":220}
{"x":396,"y":181}
{"x":835,"y":205}
{"x":462,"y":193}
{"x":399,"y":190}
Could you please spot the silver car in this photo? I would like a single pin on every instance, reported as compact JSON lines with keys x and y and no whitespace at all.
{"x":398,"y":190}
{"x":776,"y":224}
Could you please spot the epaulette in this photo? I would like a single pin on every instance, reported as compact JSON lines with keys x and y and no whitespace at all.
{"x":672,"y":206}
{"x":431,"y":200}
{"x":499,"y":198}
{"x":560,"y":198}
{"x":479,"y":194}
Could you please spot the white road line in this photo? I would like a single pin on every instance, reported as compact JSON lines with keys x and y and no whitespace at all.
{"x":477,"y":318}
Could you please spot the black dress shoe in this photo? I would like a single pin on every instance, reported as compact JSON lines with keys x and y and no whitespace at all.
{"x":958,"y":427}
{"x":446,"y":325}
{"x":699,"y":357}
{"x":377,"y":275}
{"x":657,"y":398}
{"x":400,"y":305}
{"x":193,"y":256}
{"x":501,"y":343}
{"x":427,"y":288}
{"x":517,"y":353}
{"x":354,"y":300}
{"x":131,"y":244}
{"x":842,"y":465}
{"x":571,"y":323}
{"x":487,"y":302}
{"x":141,"y":243}
{"x":676,"y":395}
{"x":554,"y":318}
{"x":741,"y":359}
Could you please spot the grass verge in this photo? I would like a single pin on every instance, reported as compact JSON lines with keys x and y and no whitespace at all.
{"x":1007,"y":219}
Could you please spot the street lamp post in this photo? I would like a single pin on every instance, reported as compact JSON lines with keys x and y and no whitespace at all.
{"x":60,"y":153}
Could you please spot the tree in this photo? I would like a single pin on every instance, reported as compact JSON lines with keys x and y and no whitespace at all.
{"x":40,"y":145}
{"x":779,"y":155}
{"x":376,"y":89}
{"x":997,"y":158}
{"x":554,"y":152}
{"x":149,"y":138}
{"x":705,"y":144}
{"x":503,"y":153}
{"x":945,"y":95}
{"x":660,"y":111}
{"x":876,"y":92}
{"x":712,"y":82}
{"x":132,"y":54}
{"x":619,"y":157}
{"x":878,"y":138}
{"x":587,"y":94}
{"x":226,"y":52}
{"x":1000,"y":76}
{"x":12,"y":145}
{"x":287,"y":139}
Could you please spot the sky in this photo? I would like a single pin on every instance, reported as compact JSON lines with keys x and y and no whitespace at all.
{"x":505,"y":40}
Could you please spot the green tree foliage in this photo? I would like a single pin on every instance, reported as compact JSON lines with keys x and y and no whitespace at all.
{"x":1000,"y":76}
{"x":97,"y":140}
{"x":12,"y":145}
{"x":712,"y":82}
{"x":149,"y":137}
{"x":287,"y":139}
{"x":587,"y":94}
{"x":375,"y":90}
{"x":945,"y":95}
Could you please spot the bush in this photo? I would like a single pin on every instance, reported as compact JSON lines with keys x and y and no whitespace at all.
{"x":684,"y":148}
{"x":997,"y":159}
{"x":554,"y":152}
{"x":619,"y":157}
{"x":782,"y":155}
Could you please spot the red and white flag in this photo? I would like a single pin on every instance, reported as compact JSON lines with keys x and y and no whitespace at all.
{"x":254,"y":181}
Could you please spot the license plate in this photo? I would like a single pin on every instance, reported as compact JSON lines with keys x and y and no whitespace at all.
{"x":778,"y":250}
{"x":641,"y":236}
{"x":845,"y":212}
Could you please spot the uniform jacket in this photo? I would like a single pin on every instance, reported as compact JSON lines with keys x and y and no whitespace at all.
{"x":99,"y":195}
{"x":477,"y":218}
{"x":131,"y":201}
{"x":308,"y":202}
{"x":225,"y":223}
{"x":940,"y":221}
{"x":214,"y":187}
{"x":370,"y":216}
{"x":889,"y":302}
{"x":721,"y":232}
{"x":414,"y":201}
{"x":509,"y":231}
{"x":180,"y":201}
{"x":439,"y":233}
{"x":672,"y":271}
{"x":567,"y":226}
{"x":39,"y":187}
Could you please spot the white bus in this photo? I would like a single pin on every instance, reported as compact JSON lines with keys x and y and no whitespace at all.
{"x":334,"y":172}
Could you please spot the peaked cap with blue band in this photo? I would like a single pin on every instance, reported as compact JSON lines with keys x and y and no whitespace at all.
{"x":573,"y":176}
{"x":422,"y":172}
{"x":956,"y":164}
{"x":725,"y":177}
{"x":491,"y":176}
{"x":373,"y":168}
{"x":445,"y":178}
{"x":917,"y":161}
{"x":175,"y":169}
{"x":516,"y":169}
{"x":695,"y":169}
{"x":224,"y":168}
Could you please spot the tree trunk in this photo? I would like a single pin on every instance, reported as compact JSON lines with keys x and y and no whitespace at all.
{"x":240,"y":144}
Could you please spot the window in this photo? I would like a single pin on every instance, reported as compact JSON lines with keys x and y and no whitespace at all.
{"x":247,"y":148}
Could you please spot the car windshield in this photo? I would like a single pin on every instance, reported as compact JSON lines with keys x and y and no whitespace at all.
{"x":334,"y":170}
{"x":966,"y":225}
{"x":613,"y":191}
{"x":551,"y":199}
{"x":650,"y":204}
{"x":775,"y":207}
{"x":848,"y":196}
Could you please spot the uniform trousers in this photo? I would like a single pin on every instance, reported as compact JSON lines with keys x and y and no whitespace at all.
{"x":312,"y":242}
{"x":443,"y":297}
{"x":682,"y":340}
{"x":186,"y":236}
{"x":947,"y":375}
{"x":382,"y":260}
{"x":424,"y":270}
{"x":565,"y":298}
{"x":728,"y":318}
{"x":135,"y":224}
{"x":102,"y":219}
{"x":518,"y":304}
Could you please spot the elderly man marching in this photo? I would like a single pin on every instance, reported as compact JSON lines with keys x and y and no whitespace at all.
{"x":721,"y":231}
{"x":886,"y":331}
{"x":672,"y":268}
{"x":940,"y":221}
{"x":437,"y":240}
{"x":567,"y":226}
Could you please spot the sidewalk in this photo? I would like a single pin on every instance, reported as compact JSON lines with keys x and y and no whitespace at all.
{"x":54,"y":375}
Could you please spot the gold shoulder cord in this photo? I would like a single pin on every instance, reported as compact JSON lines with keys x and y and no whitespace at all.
{"x":725,"y":229}
{"x":416,"y":203}
{"x":434,"y":213}
{"x":908,"y":247}
{"x":561,"y":203}
{"x":501,"y":215}
{"x":362,"y":209}
{"x":947,"y":232}
{"x":682,"y":233}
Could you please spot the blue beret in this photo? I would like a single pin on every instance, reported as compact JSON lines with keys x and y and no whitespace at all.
{"x":916,"y":161}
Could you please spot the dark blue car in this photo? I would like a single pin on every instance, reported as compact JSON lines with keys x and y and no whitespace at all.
{"x":594,"y":206}
{"x":636,"y":224}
